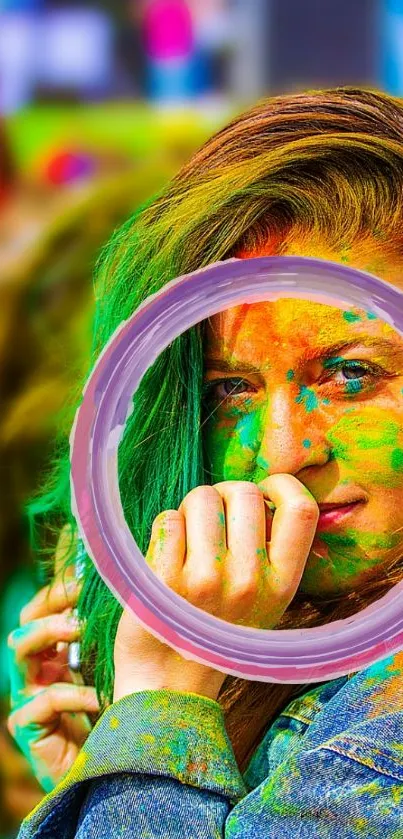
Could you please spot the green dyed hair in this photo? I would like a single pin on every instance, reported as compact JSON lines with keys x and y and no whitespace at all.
{"x":327,"y":163}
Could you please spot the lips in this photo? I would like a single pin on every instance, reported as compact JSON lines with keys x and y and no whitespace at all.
{"x":338,"y":506}
{"x":330,"y":514}
{"x":333,"y":514}
{"x":322,"y":507}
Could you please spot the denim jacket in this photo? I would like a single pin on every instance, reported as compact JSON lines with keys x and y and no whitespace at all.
{"x":159,"y":764}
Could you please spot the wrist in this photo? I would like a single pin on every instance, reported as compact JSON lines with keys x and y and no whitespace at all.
{"x":208,"y":687}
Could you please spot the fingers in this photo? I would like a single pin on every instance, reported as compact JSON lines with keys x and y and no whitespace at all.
{"x":45,"y":707}
{"x":206,"y":546}
{"x":166,"y":551}
{"x":40,"y":634}
{"x":50,"y":599}
{"x":214,"y":550}
{"x":246,"y":560}
{"x":293,"y":530}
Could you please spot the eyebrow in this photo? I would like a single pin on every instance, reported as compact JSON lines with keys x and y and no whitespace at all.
{"x":227,"y":365}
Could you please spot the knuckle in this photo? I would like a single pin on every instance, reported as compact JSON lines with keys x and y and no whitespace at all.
{"x":82,"y":693}
{"x":201,"y":493}
{"x":305,"y":509}
{"x":167,"y":517}
{"x":241,"y":487}
{"x":204,"y":587}
{"x":243,"y":590}
{"x":51,"y":693}
{"x":249,"y":488}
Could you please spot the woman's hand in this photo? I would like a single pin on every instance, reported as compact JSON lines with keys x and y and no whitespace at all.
{"x":49,"y":703}
{"x":225,"y":553}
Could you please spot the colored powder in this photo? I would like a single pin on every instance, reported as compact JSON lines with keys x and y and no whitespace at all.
{"x":340,"y":542}
{"x":362,"y":432}
{"x":331,"y":362}
{"x":247,"y":430}
{"x":308,"y":397}
{"x":353,"y":386}
{"x":397,"y":460}
{"x":351,"y":317}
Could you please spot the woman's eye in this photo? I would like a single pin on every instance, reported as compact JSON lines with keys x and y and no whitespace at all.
{"x":353,"y":371}
{"x":353,"y":376}
{"x":221,"y":389}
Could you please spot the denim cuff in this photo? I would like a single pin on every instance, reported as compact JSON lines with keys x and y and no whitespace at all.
{"x":157,"y":732}
{"x":164,"y":732}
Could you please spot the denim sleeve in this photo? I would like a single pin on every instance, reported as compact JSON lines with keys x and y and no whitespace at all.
{"x":160,"y":764}
{"x":158,"y":748}
{"x":318,"y":793}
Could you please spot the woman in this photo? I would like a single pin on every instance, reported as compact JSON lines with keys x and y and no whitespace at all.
{"x":317,"y":175}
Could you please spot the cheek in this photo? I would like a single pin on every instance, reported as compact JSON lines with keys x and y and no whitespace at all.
{"x":369,"y":442}
{"x":231,"y":444}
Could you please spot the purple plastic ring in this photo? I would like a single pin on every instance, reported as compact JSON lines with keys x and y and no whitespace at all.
{"x":286,"y":656}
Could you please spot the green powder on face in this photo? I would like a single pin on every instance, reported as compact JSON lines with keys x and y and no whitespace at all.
{"x":290,"y":375}
{"x":338,"y":541}
{"x":397,"y":460}
{"x":341,"y":543}
{"x":351,"y":317}
{"x":331,"y":362}
{"x":247,"y":429}
{"x":358,"y":431}
{"x":308,"y":398}
{"x":306,"y":444}
{"x":353,"y":386}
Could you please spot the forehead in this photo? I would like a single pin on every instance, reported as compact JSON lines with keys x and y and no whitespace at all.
{"x":258,"y":329}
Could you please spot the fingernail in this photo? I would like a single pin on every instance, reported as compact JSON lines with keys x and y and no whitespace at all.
{"x":74,"y":620}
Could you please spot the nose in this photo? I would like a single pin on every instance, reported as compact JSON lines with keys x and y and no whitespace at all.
{"x":294,"y":434}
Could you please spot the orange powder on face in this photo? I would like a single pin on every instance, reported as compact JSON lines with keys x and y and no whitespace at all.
{"x":371,"y":253}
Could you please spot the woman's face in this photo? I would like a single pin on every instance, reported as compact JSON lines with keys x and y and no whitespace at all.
{"x":317,"y":393}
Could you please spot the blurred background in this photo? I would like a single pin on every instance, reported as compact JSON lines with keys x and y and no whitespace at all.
{"x":100,"y":103}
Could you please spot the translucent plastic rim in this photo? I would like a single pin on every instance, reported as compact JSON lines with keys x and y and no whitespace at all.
{"x":285,"y":656}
